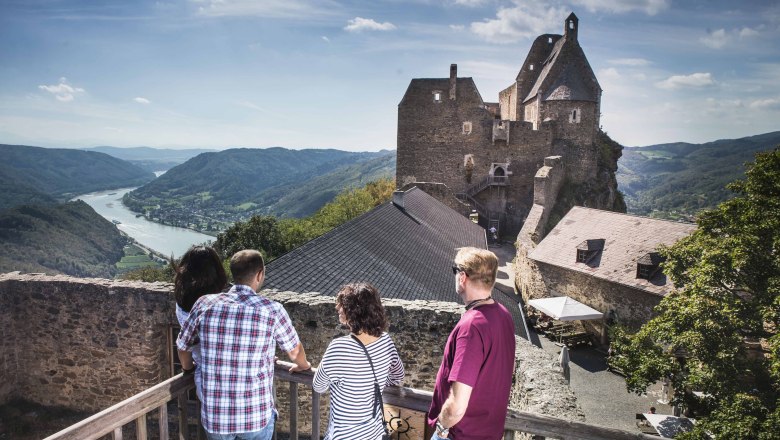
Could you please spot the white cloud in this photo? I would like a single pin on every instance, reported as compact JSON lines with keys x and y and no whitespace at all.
{"x":633,"y":62}
{"x":470,"y":3}
{"x":715,"y":39}
{"x":141,"y":100}
{"x":609,"y":73}
{"x":747,"y":32}
{"x":63,"y":91}
{"x":719,"y":38}
{"x":360,"y":24}
{"x":457,"y":27}
{"x":525,"y":20}
{"x":325,"y":39}
{"x":687,"y":81}
{"x":295,"y":9}
{"x":649,"y":7}
{"x":770,"y":104}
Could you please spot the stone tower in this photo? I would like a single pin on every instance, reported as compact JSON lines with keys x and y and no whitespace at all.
{"x":486,"y":154}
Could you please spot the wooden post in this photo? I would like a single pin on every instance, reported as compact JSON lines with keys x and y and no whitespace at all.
{"x":164,"y":421}
{"x":184,"y":429}
{"x":140,"y":428}
{"x":293,"y":411}
{"x":118,"y":433}
{"x":315,"y":415}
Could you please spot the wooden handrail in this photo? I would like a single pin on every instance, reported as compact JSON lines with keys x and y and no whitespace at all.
{"x":106,"y":421}
{"x":135,"y":408}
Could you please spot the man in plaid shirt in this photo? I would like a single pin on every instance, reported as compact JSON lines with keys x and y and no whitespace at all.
{"x":238,"y":332}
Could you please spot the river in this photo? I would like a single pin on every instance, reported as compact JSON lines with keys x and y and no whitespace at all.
{"x":164,"y":239}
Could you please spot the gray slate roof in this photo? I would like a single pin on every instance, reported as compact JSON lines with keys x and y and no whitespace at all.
{"x":406,"y":253}
{"x":628,"y":238}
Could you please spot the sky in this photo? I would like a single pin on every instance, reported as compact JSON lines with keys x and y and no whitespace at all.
{"x":330,"y":73}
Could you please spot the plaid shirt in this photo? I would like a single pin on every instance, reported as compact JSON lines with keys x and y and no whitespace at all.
{"x":238,"y":333}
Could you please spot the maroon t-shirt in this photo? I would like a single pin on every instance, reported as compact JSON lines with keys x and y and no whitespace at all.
{"x":480,"y":352}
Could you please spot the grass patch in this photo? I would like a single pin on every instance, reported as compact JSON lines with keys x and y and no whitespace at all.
{"x":135,"y":258}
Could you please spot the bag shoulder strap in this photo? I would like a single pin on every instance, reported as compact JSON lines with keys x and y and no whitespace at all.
{"x":377,"y":390}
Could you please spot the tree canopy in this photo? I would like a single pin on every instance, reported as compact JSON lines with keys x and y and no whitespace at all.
{"x":717,"y":332}
{"x":274,"y":237}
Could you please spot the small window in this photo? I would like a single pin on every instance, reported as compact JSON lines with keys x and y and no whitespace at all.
{"x":571,"y":24}
{"x":437,"y":96}
{"x":574,"y":116}
{"x":644,"y":271}
{"x":467,"y":127}
{"x":582,"y":256}
{"x":531,"y":67}
{"x":549,"y":40}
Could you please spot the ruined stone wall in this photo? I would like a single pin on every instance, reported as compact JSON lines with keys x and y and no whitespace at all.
{"x":82,"y":343}
{"x":578,"y":133}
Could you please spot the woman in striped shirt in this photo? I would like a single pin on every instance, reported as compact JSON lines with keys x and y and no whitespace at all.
{"x":347,"y":372}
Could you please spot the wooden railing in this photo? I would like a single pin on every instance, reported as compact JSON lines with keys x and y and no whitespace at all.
{"x":136,"y":408}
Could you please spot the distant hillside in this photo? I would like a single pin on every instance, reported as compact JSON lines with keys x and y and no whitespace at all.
{"x":39,"y":175}
{"x":680,"y":179}
{"x":152,"y":159}
{"x":70,"y":238}
{"x":223,"y":187}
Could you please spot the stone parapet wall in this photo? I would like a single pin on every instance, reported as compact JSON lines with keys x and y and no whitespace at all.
{"x":82,"y":343}
{"x":87,"y":344}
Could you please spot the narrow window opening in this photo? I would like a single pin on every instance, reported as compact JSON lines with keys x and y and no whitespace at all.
{"x":437,"y":97}
{"x":467,"y":127}
{"x":549,"y":40}
{"x":531,"y":67}
{"x":571,"y":24}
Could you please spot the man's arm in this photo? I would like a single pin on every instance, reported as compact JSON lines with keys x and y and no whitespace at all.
{"x":298,"y":356}
{"x":454,"y":407}
{"x":185,"y":357}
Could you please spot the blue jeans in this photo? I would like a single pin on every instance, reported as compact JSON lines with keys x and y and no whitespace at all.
{"x":435,"y":436}
{"x":264,"y":434}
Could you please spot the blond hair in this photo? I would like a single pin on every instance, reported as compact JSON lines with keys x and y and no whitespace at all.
{"x":479,"y":264}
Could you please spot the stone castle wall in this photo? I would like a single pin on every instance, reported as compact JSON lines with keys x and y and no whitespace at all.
{"x":633,"y":307}
{"x":83,"y":343}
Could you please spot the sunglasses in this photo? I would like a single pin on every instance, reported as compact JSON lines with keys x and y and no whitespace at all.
{"x":456,"y":269}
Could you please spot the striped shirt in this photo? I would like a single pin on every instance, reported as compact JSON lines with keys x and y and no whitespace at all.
{"x":346,"y":372}
{"x":238,"y":333}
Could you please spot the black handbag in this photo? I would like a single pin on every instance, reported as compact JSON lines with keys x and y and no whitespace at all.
{"x":378,"y":403}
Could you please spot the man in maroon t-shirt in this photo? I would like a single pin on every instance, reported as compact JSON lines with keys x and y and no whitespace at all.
{"x":472,"y":387}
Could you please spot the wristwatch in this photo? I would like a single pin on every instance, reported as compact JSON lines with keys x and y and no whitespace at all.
{"x":188,"y":371}
{"x":441,"y":431}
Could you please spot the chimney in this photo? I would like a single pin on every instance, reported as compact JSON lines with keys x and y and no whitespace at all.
{"x":398,"y":199}
{"x":453,"y":79}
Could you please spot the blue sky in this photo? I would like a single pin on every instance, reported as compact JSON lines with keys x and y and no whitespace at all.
{"x":330,"y":73}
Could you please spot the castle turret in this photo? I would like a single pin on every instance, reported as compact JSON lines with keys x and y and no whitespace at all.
{"x":570,"y":27}
{"x":453,"y":79}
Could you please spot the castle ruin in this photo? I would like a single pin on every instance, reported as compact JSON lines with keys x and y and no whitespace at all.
{"x":486,"y":155}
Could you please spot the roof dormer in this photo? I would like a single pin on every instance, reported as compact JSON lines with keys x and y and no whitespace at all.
{"x":648,"y":265}
{"x":588,"y":250}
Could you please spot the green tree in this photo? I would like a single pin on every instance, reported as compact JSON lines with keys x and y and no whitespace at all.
{"x":274,"y":237}
{"x":717,"y":332}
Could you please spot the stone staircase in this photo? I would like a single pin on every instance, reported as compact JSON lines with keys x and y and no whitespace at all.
{"x":493,"y":217}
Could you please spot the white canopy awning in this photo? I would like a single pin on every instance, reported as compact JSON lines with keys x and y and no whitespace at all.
{"x":563,"y":308}
{"x":669,"y":426}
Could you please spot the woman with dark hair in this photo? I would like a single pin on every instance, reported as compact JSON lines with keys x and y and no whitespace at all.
{"x":357,"y":366}
{"x":198,"y":273}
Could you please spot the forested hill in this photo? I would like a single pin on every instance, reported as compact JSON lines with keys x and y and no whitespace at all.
{"x":678,"y":180}
{"x":230,"y":185}
{"x":70,"y":238}
{"x":38,"y":175}
{"x":152,"y":159}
